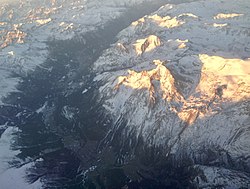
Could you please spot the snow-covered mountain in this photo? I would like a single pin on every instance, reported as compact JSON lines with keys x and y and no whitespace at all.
{"x":25,"y":29}
{"x":27,"y":26}
{"x":175,"y":86}
{"x":180,"y":81}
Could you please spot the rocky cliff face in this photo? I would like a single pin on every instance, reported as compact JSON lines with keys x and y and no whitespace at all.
{"x":178,"y":80}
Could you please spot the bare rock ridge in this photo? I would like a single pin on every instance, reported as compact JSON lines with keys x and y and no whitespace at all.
{"x":181,"y":80}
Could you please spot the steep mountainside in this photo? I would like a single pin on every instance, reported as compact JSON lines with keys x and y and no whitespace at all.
{"x":179,"y":80}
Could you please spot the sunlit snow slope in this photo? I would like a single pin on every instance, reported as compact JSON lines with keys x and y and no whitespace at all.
{"x":180,"y":77}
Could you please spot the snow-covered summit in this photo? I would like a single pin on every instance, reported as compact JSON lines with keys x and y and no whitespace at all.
{"x":180,"y":77}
